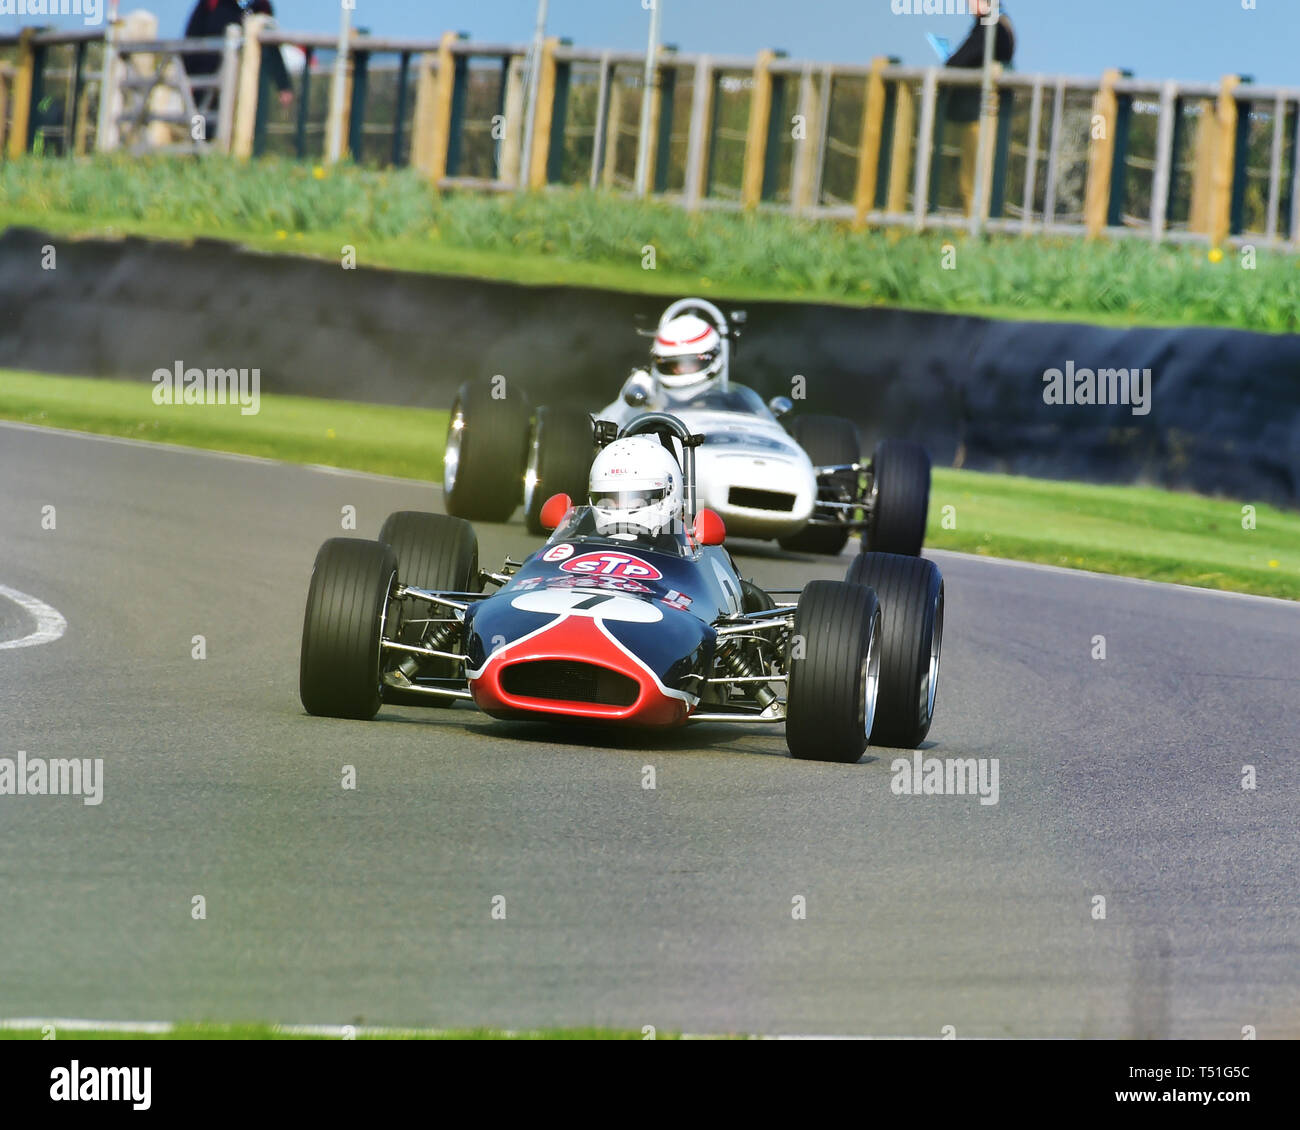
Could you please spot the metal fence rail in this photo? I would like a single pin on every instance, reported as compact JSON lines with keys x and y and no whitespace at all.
{"x":874,"y":144}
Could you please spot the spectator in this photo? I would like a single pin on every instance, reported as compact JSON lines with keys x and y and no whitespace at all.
{"x":274,"y":56}
{"x":964,"y":102}
{"x":209,"y":20}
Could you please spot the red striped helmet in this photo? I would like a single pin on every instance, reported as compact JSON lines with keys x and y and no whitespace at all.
{"x":687,"y":351}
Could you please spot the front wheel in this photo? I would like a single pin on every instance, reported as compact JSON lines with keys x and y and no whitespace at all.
{"x":339,"y":672}
{"x":483,"y":461}
{"x":900,"y":499}
{"x":437,"y":553}
{"x":910,"y":590}
{"x":834,"y":672}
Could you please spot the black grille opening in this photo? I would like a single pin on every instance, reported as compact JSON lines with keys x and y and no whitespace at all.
{"x":566,"y":681}
{"x":761,"y":499}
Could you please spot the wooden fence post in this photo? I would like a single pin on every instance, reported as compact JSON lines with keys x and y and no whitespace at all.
{"x":250,"y":76}
{"x":760,"y":111}
{"x":1225,"y":152}
{"x":540,"y":157}
{"x":900,"y":155}
{"x":873,"y":125}
{"x":24,"y":77}
{"x":1101,"y":155}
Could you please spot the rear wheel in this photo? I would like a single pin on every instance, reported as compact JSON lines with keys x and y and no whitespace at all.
{"x":830,"y":441}
{"x":339,"y":673}
{"x":487,"y":440}
{"x":834,"y":669}
{"x":434,"y":552}
{"x":901,"y":493}
{"x":559,"y":461}
{"x":910,"y":590}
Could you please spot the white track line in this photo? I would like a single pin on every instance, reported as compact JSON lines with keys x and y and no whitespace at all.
{"x":184,"y":449}
{"x":50,"y":624}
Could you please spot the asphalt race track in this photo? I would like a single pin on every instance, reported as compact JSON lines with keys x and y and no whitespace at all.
{"x":624,"y":906}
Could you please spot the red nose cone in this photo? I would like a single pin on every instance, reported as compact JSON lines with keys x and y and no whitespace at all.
{"x":575,"y":668}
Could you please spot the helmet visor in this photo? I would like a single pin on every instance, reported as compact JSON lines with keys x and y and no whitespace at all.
{"x":683,"y":366}
{"x":627,"y":500}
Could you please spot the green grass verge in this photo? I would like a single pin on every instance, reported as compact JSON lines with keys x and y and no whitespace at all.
{"x":1142,"y":532}
{"x":1130,"y":531}
{"x":406,"y":442}
{"x":190,"y":1031}
{"x":393,"y":219}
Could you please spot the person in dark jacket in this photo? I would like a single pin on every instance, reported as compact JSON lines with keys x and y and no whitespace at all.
{"x":964,"y":102}
{"x":209,"y":20}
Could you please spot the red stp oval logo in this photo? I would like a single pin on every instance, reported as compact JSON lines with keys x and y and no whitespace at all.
{"x":611,"y":563}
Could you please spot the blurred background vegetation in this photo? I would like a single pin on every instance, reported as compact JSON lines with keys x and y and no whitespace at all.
{"x":395,"y":219}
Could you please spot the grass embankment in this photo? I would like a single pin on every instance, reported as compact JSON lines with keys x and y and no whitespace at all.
{"x":393,"y":219}
{"x":406,"y":442}
{"x":1131,"y":531}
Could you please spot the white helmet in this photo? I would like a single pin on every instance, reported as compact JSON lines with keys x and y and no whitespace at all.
{"x":686,"y":351}
{"x":636,"y":488}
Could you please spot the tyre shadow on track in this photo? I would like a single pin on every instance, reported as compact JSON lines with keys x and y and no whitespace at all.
{"x":744,"y":739}
{"x":706,"y":738}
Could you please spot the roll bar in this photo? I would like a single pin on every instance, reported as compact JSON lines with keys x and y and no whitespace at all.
{"x":664,"y":425}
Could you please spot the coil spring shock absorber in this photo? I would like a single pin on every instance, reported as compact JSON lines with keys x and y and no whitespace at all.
{"x":435,"y":636}
{"x":440,"y":635}
{"x":739,"y":664}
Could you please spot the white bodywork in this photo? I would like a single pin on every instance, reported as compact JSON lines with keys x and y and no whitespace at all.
{"x":749,"y":469}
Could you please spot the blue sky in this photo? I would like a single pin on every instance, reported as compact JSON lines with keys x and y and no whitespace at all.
{"x":1185,"y":39}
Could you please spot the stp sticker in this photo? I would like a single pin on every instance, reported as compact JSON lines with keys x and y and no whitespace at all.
{"x":558,"y":552}
{"x":612,"y":563}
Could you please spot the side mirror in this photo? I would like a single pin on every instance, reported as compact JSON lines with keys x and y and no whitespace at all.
{"x":638,"y":389}
{"x":780,"y":406}
{"x":554,"y":510}
{"x":709,"y":528}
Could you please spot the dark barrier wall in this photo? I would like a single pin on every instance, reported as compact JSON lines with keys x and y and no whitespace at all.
{"x":1224,"y":405}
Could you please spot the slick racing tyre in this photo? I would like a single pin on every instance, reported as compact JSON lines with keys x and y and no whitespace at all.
{"x":340,"y":670}
{"x":487,"y":440}
{"x":559,"y":461}
{"x":901,"y":493}
{"x":436,"y":552}
{"x":834,"y":670}
{"x":910,"y":590}
{"x":829,"y":441}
